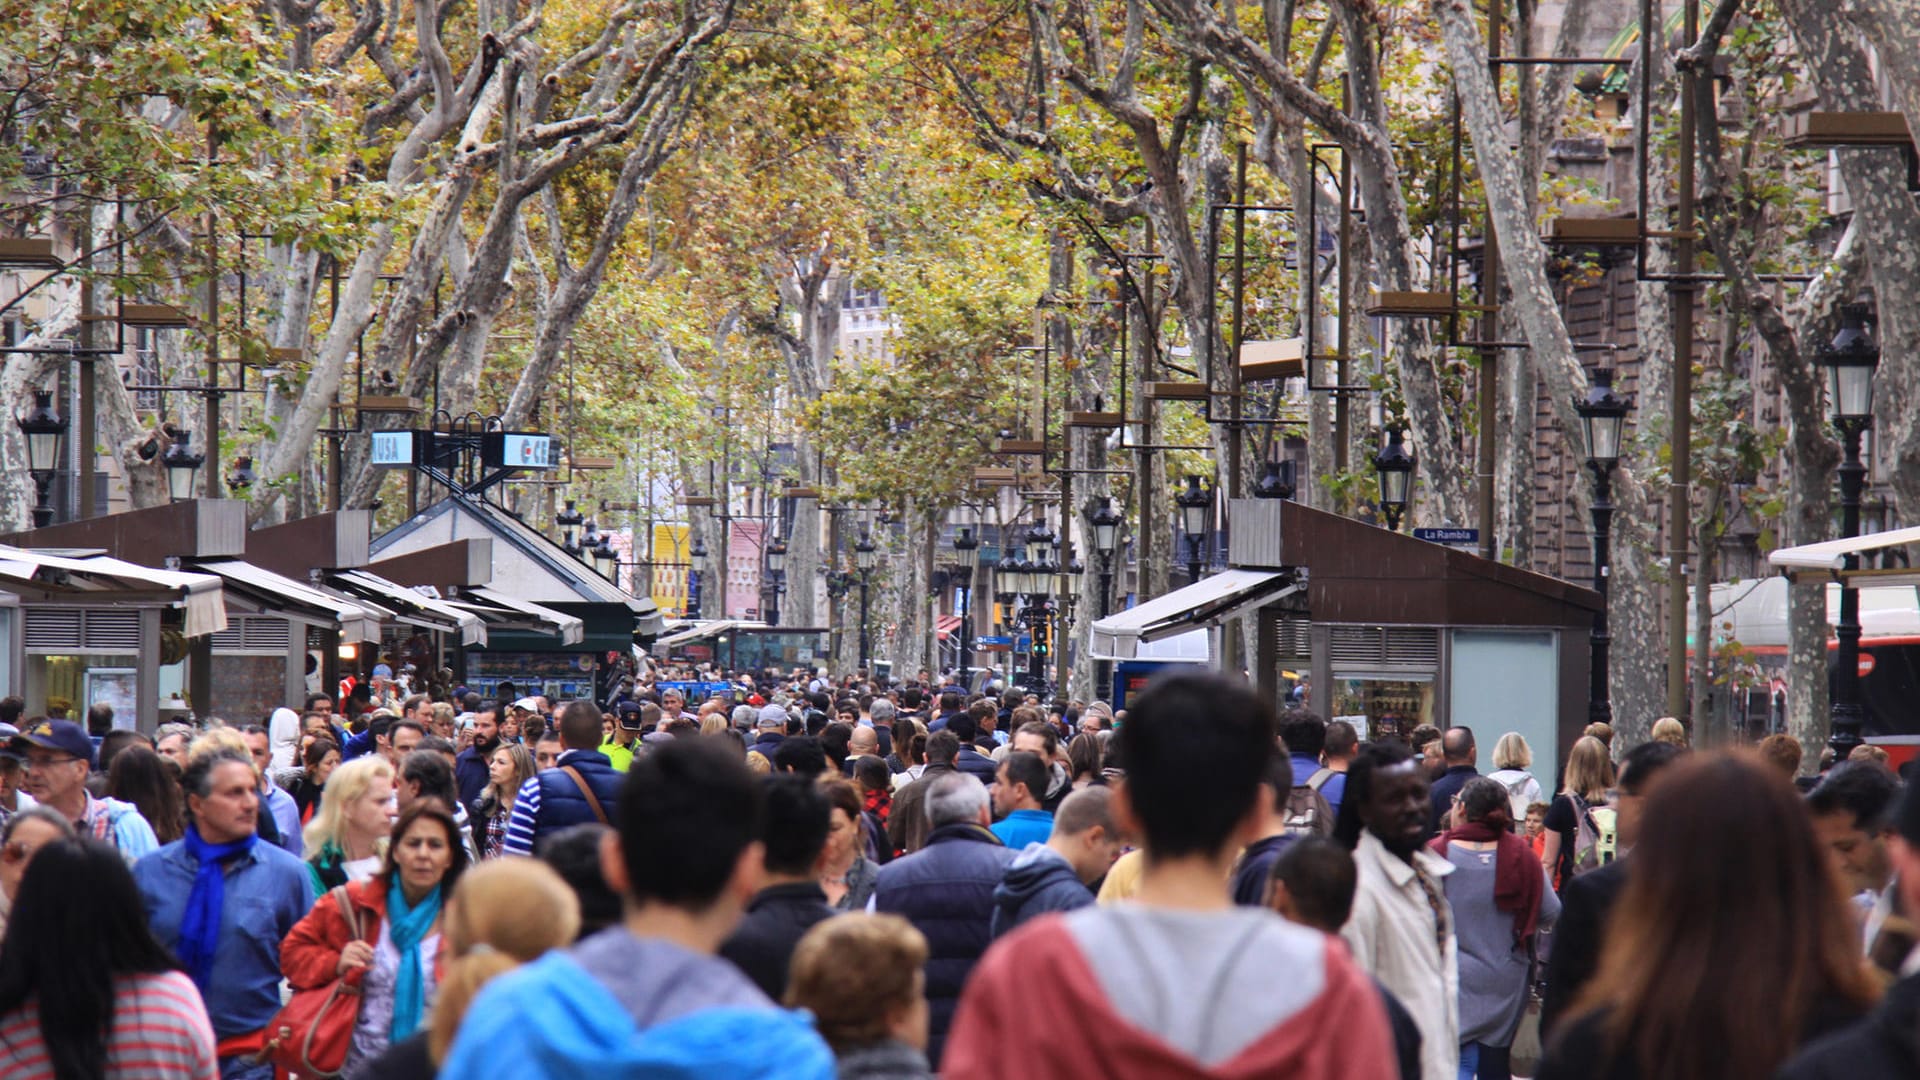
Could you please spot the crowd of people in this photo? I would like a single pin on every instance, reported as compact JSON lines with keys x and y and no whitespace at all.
{"x":804,"y":877}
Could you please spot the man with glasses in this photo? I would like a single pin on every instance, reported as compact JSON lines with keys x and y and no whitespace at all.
{"x":59,"y":755}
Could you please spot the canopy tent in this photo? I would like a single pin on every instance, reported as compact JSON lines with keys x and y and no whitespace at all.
{"x":1208,"y":602}
{"x":410,"y":606}
{"x":356,"y":620}
{"x":511,"y":613}
{"x":1828,"y":558}
{"x":82,"y":576}
{"x":1754,"y":612}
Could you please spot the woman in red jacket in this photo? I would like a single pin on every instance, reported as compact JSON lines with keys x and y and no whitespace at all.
{"x":395,"y":948}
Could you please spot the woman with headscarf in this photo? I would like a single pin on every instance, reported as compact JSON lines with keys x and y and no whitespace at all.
{"x":283,"y":740}
{"x":395,"y":948}
{"x":1500,"y":898}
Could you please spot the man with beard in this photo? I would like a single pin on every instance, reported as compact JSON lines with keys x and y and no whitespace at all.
{"x":1401,"y":929}
{"x":470,"y":767}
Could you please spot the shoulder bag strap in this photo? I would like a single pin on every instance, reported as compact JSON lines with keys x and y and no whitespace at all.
{"x":347,"y":912}
{"x":593,"y":800}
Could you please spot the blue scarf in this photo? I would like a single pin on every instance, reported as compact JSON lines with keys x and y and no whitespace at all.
{"x":200,"y":923}
{"x":407,"y":926}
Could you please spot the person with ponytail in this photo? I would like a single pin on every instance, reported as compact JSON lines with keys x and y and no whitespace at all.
{"x":486,"y":933}
{"x":396,"y":944}
{"x":1500,"y":898}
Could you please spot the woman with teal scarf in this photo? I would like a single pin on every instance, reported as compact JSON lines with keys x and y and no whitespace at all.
{"x":394,"y":952}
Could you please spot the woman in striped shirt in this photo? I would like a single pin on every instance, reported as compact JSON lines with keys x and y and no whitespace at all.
{"x":85,"y":988}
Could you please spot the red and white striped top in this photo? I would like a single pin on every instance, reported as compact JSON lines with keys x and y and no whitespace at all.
{"x":160,"y":1032}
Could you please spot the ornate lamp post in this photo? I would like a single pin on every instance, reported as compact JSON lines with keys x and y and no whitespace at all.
{"x":1040,"y":582}
{"x":569,"y":519}
{"x":182,"y":461}
{"x":697,"y":557}
{"x":1276,"y":482}
{"x":589,"y":539}
{"x":1849,"y":360}
{"x":1106,"y":522}
{"x":967,"y":547}
{"x":1395,"y":466}
{"x":776,"y":573}
{"x":863,"y":559}
{"x":605,"y":559}
{"x":45,"y":429}
{"x":1196,"y":505}
{"x":1603,"y":420}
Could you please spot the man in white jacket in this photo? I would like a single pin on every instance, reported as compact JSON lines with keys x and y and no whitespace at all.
{"x":1401,"y":929}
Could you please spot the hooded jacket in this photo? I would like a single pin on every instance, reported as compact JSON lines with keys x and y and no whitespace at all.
{"x":1038,"y":880}
{"x":565,"y":1025}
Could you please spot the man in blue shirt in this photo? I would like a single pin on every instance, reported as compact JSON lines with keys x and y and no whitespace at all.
{"x":223,"y":901}
{"x":1018,"y":787}
{"x":275,"y":804}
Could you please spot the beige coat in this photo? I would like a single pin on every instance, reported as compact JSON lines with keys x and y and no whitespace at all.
{"x":1392,"y":935}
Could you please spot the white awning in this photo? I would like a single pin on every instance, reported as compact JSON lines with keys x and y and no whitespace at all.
{"x":198,"y":595}
{"x":355,"y":619}
{"x":704,"y":628}
{"x":410,"y":606}
{"x":1207,"y":602}
{"x":572,"y":630}
{"x":1831,"y":555}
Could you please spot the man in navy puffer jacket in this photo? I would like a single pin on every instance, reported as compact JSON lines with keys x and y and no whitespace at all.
{"x":946,"y":890}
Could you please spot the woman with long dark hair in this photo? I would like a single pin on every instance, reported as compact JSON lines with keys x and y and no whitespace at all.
{"x":86,"y":991}
{"x":141,"y":777}
{"x":318,"y":761}
{"x":396,"y":944}
{"x":1731,"y":944}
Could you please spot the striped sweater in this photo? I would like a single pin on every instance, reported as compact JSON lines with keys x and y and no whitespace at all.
{"x":160,"y":1032}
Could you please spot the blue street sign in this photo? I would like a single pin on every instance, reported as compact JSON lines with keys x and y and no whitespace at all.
{"x":1448,"y":536}
{"x":992,"y":639}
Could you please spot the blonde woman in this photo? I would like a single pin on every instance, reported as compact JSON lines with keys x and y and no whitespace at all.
{"x":486,"y":933}
{"x":345,"y":838}
{"x":1512,"y":757}
{"x":508,"y":768}
{"x":1589,"y":779}
{"x":1669,"y":730}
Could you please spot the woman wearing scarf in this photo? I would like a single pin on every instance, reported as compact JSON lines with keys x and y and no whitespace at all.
{"x":396,"y":948}
{"x":1500,"y":898}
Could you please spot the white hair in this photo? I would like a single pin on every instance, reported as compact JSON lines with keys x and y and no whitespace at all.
{"x":954,"y":798}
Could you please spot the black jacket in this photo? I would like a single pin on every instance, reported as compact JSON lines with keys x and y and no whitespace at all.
{"x":1442,"y":793}
{"x":1250,"y":874}
{"x":762,"y":945}
{"x":971,"y":761}
{"x":1885,"y":1044}
{"x":1585,"y":902}
{"x":1582,"y":1050}
{"x":946,"y":891}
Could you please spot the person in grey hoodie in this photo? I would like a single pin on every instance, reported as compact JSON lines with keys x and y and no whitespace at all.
{"x":1059,"y":874}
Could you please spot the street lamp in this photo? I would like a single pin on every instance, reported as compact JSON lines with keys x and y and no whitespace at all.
{"x":1603,"y":420}
{"x":605,"y":559}
{"x":863,"y":559}
{"x":1106,"y":522}
{"x":44,"y":429}
{"x":181,"y":462}
{"x":1276,"y":482}
{"x":1849,"y":361}
{"x":967,"y":547}
{"x":697,"y":558}
{"x":1196,"y":504}
{"x":589,"y":539}
{"x":569,"y":520}
{"x":776,"y":573}
{"x":1395,"y":466}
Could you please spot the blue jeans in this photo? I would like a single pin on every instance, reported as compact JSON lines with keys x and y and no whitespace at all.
{"x":1479,"y":1061}
{"x":1469,"y":1061}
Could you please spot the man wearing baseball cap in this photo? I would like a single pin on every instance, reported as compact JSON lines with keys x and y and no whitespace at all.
{"x":58,"y":756}
{"x":773,"y":729}
{"x":631,"y":719}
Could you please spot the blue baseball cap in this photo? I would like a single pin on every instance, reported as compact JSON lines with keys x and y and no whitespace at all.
{"x":63,"y":736}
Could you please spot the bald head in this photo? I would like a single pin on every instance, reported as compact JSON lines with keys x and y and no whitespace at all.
{"x":864,"y":741}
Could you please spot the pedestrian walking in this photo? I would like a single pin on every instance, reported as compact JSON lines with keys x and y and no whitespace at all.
{"x":581,"y":787}
{"x":321,"y":757}
{"x":1057,"y":875}
{"x":859,"y":976}
{"x":58,"y":756}
{"x":1500,"y":899}
{"x":393,"y":940}
{"x":1731,"y":945}
{"x":151,"y":784}
{"x":946,"y":889}
{"x":649,"y":990}
{"x":1576,"y":834}
{"x":21,"y":836}
{"x":1512,"y":757}
{"x":1401,"y":929}
{"x":510,"y":768}
{"x":225,"y":901}
{"x":846,"y":874}
{"x":86,"y":990}
{"x":790,"y":902}
{"x":347,"y":836}
{"x":1181,"y":982}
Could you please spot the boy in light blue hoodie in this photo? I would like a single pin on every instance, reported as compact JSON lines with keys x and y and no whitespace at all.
{"x":649,"y":997}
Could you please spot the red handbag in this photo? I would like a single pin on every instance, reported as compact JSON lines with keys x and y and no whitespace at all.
{"x":310,"y":1036}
